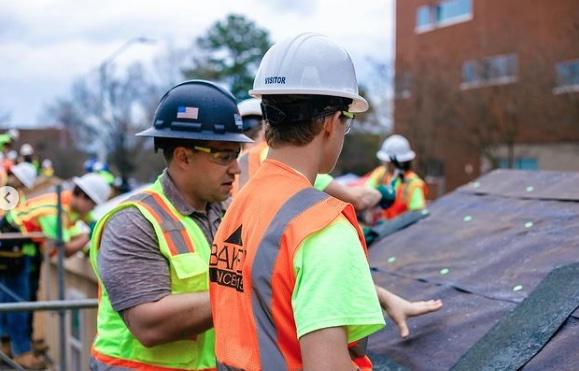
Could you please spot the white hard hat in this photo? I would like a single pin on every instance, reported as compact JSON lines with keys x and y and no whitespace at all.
{"x":14,"y":134}
{"x":26,"y":150}
{"x":396,"y":147}
{"x":12,"y":155}
{"x":98,"y":166}
{"x":26,"y":173}
{"x":94,"y":186}
{"x":309,"y":63}
{"x":250,"y":107}
{"x":46,"y":163}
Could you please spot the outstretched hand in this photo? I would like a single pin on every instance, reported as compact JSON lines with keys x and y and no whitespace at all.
{"x":399,"y":309}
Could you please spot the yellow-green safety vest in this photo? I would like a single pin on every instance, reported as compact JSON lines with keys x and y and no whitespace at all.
{"x":183,"y":244}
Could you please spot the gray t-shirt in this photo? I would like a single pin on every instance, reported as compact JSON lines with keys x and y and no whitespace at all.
{"x":130,"y":264}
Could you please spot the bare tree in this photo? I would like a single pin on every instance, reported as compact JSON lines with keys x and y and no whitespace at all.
{"x":107,"y":115}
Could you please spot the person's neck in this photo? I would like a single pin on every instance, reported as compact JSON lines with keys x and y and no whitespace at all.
{"x":190,"y":198}
{"x":303,"y":159}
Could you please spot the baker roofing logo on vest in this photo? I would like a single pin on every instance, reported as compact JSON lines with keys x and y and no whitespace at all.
{"x":226,"y":262}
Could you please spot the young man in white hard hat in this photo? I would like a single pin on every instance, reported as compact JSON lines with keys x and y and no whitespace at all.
{"x":360,"y":197}
{"x":151,"y":253}
{"x":402,"y":189}
{"x":39,"y":214}
{"x":290,"y":282}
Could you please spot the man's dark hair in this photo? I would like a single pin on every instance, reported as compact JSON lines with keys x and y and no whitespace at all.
{"x":297,"y":119}
{"x":78,"y":192}
{"x":168,"y":146}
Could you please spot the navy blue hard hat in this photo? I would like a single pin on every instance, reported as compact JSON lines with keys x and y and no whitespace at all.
{"x":197,"y":110}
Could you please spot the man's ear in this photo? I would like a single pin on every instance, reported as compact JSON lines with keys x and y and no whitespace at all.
{"x":180,"y":156}
{"x":331,"y":122}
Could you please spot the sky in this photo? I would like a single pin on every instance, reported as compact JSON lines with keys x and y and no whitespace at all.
{"x":47,"y":44}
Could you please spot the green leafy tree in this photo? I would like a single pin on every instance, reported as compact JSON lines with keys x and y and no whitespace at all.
{"x":230,"y":53}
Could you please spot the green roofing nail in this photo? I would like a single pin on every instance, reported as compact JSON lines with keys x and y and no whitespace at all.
{"x":530,"y":189}
{"x":392,"y":259}
{"x":528,"y":224}
{"x":467,"y":218}
{"x":444,"y":271}
{"x":517,"y":288}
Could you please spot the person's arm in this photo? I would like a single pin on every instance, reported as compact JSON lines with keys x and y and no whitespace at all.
{"x":334,"y":300}
{"x":175,"y":317}
{"x":399,"y":309}
{"x":326,"y":349}
{"x":360,"y":197}
{"x":75,"y":245}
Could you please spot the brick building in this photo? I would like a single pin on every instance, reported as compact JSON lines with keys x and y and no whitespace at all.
{"x":482,"y":84}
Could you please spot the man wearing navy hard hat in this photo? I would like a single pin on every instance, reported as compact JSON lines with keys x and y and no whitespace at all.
{"x":151,"y":252}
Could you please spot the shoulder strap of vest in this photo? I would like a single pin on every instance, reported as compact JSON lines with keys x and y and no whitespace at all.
{"x":167,"y":218}
{"x":265,"y":257}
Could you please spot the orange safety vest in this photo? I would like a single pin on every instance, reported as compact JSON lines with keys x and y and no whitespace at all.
{"x":249,"y":162}
{"x":404,"y":194}
{"x":252,"y":312}
{"x":27,"y":215}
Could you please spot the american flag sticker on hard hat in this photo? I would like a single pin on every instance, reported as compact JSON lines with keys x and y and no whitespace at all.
{"x":191,"y":113}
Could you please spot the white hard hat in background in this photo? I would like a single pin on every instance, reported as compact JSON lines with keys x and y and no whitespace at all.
{"x":250,"y":107}
{"x":396,"y":147}
{"x":14,"y":134}
{"x":309,"y":63}
{"x":26,"y":173}
{"x":26,"y":150}
{"x":12,"y":155}
{"x":94,"y":186}
{"x":46,"y":163}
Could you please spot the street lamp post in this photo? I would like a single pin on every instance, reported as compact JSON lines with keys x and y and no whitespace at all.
{"x":106,"y":100}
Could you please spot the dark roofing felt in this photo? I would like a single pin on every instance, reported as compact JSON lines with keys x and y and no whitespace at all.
{"x":483,"y":250}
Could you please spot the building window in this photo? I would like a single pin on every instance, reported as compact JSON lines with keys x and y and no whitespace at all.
{"x":423,"y":17}
{"x":522,"y":163}
{"x":497,"y":70}
{"x":567,"y":77}
{"x":403,"y":85}
{"x":444,"y":13}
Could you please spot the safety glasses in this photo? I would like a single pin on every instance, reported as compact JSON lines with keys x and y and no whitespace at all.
{"x":349,"y":122}
{"x":219,"y":156}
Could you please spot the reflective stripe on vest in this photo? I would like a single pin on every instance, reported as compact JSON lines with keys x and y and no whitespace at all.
{"x":173,"y":230}
{"x":183,"y":245}
{"x":26,"y":215}
{"x":265,"y":257}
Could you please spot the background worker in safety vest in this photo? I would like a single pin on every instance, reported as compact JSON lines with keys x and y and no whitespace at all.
{"x":360,"y":197}
{"x":151,"y":253}
{"x":290,"y":284}
{"x":21,"y":177}
{"x":402,"y":190}
{"x":39,"y":214}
